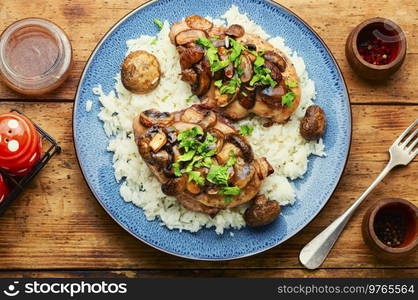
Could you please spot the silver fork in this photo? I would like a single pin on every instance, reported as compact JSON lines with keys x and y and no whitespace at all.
{"x":402,"y":152}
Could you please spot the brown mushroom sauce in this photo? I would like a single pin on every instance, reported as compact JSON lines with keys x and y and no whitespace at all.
{"x":200,"y":158}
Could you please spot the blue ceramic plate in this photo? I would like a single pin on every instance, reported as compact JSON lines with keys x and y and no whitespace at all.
{"x":313,"y":191}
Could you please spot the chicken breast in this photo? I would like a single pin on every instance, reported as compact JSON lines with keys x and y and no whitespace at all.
{"x":260,"y":80}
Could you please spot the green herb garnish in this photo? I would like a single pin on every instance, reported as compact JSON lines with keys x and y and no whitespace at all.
{"x":288,"y":98}
{"x":188,"y":99}
{"x":196,"y":177}
{"x":291,"y":84}
{"x":153,"y":42}
{"x":231,"y":87}
{"x":218,"y":83}
{"x":159,"y":23}
{"x":245,"y":129}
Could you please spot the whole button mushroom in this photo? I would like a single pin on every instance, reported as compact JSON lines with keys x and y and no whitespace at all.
{"x":313,"y":124}
{"x":140,"y":72}
{"x":261,"y":212}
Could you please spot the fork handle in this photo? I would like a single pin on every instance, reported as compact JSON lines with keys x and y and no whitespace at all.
{"x":315,"y":252}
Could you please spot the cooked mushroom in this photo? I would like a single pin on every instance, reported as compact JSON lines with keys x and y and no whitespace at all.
{"x":189,"y":36}
{"x":191,"y":115}
{"x":272,"y":95}
{"x":247,"y":68}
{"x":240,"y":142}
{"x":161,"y":159}
{"x":276,"y":59}
{"x":275,"y":71}
{"x":197,"y":22}
{"x":219,"y":138}
{"x":189,"y":76}
{"x":191,"y":56}
{"x":204,"y":78}
{"x":263,"y":168}
{"x":176,"y":29}
{"x":235,"y":30}
{"x":223,"y":155}
{"x":174,"y":186}
{"x":158,"y":141}
{"x":261,"y":212}
{"x":246,"y":98}
{"x":209,"y":120}
{"x":313,"y":124}
{"x":153,"y":117}
{"x":193,"y":187}
{"x":243,"y":173}
{"x":140,"y":72}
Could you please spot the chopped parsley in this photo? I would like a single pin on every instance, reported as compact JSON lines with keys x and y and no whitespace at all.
{"x":153,"y":42}
{"x":245,"y":129}
{"x":287,"y":99}
{"x":159,"y":23}
{"x":218,"y":83}
{"x":188,"y":99}
{"x":199,"y":154}
{"x":291,"y":84}
{"x":165,"y":98}
{"x":231,"y":87}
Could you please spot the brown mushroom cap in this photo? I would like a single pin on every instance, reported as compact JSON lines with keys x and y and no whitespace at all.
{"x":140,"y":72}
{"x":313,"y":124}
{"x":261,"y":212}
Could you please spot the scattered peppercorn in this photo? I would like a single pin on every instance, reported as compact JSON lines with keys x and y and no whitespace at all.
{"x":390,"y":227}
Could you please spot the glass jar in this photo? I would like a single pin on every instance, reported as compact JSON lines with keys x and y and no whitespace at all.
{"x":35,"y":56}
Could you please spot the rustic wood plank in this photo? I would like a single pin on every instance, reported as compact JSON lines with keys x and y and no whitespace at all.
{"x":87,"y":21}
{"x":277,"y":273}
{"x":57,"y":224}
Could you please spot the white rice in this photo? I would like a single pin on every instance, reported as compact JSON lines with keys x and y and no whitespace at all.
{"x":285,"y":149}
{"x":89,"y":105}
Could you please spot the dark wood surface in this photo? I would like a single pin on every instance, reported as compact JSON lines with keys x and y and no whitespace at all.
{"x":57,"y":228}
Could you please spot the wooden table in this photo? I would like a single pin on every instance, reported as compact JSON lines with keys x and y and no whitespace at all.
{"x":57,"y":228}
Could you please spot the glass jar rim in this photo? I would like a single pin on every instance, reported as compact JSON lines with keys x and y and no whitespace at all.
{"x":62,"y":42}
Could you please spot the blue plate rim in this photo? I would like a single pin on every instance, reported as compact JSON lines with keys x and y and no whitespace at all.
{"x":347,"y":150}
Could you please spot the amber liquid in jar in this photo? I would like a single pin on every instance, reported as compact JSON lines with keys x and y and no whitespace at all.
{"x":36,"y":56}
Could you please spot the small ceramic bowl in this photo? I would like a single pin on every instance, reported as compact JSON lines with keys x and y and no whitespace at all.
{"x":382,"y":29}
{"x":392,"y":209}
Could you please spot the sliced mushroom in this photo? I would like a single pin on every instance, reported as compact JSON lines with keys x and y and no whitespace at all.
{"x":189,"y":36}
{"x":235,"y":111}
{"x":222,"y":100}
{"x":209,"y":120}
{"x":240,"y":142}
{"x":223,"y":155}
{"x":189,"y":76}
{"x":191,"y":56}
{"x":158,"y":141}
{"x":275,"y":71}
{"x":204,"y":78}
{"x":272,"y":96}
{"x":174,"y":186}
{"x":235,"y":30}
{"x":224,"y":127}
{"x":246,"y":98}
{"x":143,"y":148}
{"x":191,"y":115}
{"x":153,"y":117}
{"x":276,"y":59}
{"x":261,"y":212}
{"x":247,"y":68}
{"x":161,"y":159}
{"x":219,"y":138}
{"x":243,"y":173}
{"x":263,"y":167}
{"x":197,"y":22}
{"x":193,"y":187}
{"x":176,"y":29}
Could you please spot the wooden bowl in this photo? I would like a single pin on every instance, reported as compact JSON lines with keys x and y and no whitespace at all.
{"x":366,"y":69}
{"x":406,"y":209}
